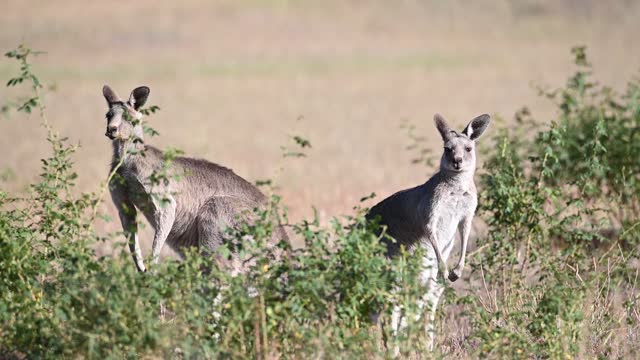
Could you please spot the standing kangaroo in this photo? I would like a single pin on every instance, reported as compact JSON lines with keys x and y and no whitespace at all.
{"x":194,"y":211}
{"x":428,"y":215}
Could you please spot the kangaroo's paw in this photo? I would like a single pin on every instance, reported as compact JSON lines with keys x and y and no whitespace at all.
{"x":455,"y":274}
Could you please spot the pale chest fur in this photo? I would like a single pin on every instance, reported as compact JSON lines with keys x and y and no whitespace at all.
{"x":451,"y":208}
{"x":139,"y":188}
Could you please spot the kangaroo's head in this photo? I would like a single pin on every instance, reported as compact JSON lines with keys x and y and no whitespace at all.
{"x":123,"y":117}
{"x":460,"y":147}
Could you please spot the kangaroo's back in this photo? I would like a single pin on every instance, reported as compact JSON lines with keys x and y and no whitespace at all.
{"x":403,"y":217}
{"x":209,"y":199}
{"x":203,"y":180}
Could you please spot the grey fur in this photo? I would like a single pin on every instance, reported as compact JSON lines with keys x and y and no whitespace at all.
{"x":429,"y":214}
{"x":206,"y":200}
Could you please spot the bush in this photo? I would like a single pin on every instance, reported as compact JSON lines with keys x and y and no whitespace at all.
{"x":558,"y":268}
{"x":555,"y":276}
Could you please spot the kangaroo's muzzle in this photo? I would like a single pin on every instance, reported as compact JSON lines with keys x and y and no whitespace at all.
{"x":111,"y":132}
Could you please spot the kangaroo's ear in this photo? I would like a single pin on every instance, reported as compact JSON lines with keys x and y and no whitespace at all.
{"x":110,"y":95}
{"x":443,"y":128}
{"x":477,"y":126}
{"x":139,"y":97}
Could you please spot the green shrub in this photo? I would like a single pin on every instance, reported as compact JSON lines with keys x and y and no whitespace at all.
{"x":557,"y":269}
{"x":555,"y":276}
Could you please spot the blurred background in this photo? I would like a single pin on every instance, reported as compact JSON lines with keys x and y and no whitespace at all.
{"x":236,"y":79}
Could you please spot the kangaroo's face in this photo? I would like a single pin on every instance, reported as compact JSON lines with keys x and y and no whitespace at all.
{"x":460,"y":147}
{"x":459,"y":153}
{"x":123,"y":118}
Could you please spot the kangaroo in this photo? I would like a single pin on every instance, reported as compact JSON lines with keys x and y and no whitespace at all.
{"x":194,"y":211}
{"x":429,"y":214}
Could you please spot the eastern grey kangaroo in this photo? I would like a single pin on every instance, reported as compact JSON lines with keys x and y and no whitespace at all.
{"x":193,"y":211}
{"x":429,"y":214}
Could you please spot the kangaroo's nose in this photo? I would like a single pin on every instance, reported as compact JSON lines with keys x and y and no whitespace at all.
{"x":457,"y":162}
{"x":110,"y":131}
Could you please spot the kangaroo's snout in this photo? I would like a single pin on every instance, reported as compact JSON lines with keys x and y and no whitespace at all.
{"x":111,"y":132}
{"x":457,"y":162}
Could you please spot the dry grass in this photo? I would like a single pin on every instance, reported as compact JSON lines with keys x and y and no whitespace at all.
{"x":232,"y":79}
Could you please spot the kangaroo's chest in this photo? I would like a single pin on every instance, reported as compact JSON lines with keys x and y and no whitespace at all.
{"x":458,"y":204}
{"x":137,"y":192}
{"x":454,"y":207}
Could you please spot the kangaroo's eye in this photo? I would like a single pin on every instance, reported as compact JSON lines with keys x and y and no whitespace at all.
{"x":448,"y":149}
{"x":468,"y":148}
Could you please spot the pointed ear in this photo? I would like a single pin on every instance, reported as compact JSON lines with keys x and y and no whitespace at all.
{"x":477,"y":126}
{"x":139,"y":97}
{"x":443,"y":128}
{"x":110,"y":95}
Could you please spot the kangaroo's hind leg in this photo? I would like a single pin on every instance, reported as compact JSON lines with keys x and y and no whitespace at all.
{"x":215,"y":218}
{"x":430,"y":299}
{"x":212,"y":222}
{"x":163,"y":218}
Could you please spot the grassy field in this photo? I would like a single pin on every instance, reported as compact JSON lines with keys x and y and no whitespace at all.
{"x":234,"y":81}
